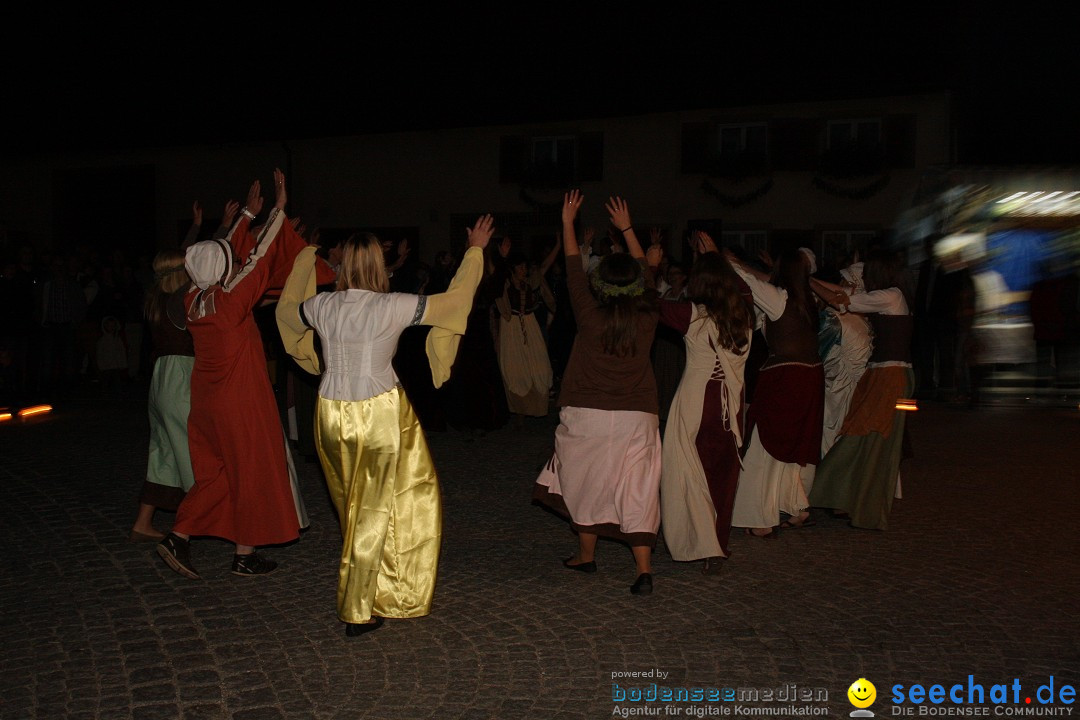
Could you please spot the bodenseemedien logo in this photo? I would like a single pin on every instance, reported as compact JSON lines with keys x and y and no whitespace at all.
{"x":861,"y":694}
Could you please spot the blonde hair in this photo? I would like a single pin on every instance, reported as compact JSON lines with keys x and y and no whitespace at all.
{"x":169,"y":276}
{"x":362,"y":265}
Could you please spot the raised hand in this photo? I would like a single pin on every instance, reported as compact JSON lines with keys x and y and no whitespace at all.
{"x":766,"y":258}
{"x":655,"y":236}
{"x":254,"y":201}
{"x":504,"y":248}
{"x":615,"y":240}
{"x":480,"y":233}
{"x":654,"y":255}
{"x":403,"y":248}
{"x":704,"y":243}
{"x":196,"y":213}
{"x":229,"y":214}
{"x":571,"y":204}
{"x":280,"y":196}
{"x":334,"y":255}
{"x":619,"y":212}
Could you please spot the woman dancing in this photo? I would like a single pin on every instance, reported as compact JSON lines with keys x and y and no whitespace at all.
{"x":605,"y":473}
{"x":858,"y":475}
{"x":704,"y":429}
{"x":378,"y":468}
{"x":786,"y":412}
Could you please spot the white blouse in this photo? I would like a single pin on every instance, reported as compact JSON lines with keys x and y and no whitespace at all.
{"x":770,"y":299}
{"x":889,"y":301}
{"x":359,"y":330}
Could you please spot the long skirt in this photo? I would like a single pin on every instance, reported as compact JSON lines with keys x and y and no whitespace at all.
{"x":860,"y":472}
{"x":168,"y":464}
{"x":383,"y":485}
{"x":700,"y":473}
{"x":786,"y":416}
{"x":605,"y":473}
{"x":525,"y":365}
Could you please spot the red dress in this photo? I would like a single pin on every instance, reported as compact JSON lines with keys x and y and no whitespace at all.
{"x":242,"y":490}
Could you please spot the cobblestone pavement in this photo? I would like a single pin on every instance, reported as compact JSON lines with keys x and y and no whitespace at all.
{"x":976,"y":576}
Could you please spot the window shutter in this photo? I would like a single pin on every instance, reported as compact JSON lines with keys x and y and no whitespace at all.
{"x":899,"y":131}
{"x":512,"y":158}
{"x":696,"y":149}
{"x":590,"y":156}
{"x":794,"y":143}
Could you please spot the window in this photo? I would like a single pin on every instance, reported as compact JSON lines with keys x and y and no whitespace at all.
{"x":732,"y":140}
{"x":863,"y":133}
{"x":838,"y":246}
{"x":551,"y":161}
{"x":753,"y":241}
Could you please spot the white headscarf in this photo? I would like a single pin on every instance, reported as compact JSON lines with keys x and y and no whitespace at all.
{"x":208,"y":262}
{"x":811,"y":258}
{"x":853,"y":274}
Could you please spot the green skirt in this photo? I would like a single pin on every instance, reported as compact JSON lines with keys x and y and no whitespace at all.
{"x":858,"y":475}
{"x":169,"y":461}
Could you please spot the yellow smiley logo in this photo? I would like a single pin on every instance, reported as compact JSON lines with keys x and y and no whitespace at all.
{"x":862,"y":693}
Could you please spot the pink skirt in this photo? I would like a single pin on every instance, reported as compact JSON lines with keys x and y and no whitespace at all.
{"x":605,"y":473}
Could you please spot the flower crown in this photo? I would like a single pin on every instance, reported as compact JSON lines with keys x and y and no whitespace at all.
{"x":607,"y":290}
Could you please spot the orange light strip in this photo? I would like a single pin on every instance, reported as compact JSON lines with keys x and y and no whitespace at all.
{"x":4,"y":416}
{"x":35,"y":410}
{"x":906,"y":405}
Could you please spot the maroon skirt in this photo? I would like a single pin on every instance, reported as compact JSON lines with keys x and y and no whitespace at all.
{"x":788,"y":411}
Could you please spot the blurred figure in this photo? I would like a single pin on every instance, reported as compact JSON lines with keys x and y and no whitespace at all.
{"x":1055,"y":313}
{"x":859,"y":474}
{"x":523,"y":355}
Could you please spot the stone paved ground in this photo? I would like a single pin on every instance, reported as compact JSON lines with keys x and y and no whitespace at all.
{"x":977,"y":575}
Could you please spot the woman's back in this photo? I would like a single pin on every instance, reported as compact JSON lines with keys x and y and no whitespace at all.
{"x":596,"y":379}
{"x":359,"y":331}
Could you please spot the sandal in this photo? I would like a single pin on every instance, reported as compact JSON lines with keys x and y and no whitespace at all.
{"x":713,"y":565}
{"x":790,"y":525}
{"x":771,"y":535}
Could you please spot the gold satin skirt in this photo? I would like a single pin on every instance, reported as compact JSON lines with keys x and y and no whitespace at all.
{"x":382,"y":483}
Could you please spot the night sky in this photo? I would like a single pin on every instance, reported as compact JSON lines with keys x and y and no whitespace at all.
{"x":86,"y":81}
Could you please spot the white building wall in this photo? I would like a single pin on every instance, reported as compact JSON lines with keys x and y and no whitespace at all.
{"x":422,"y":178}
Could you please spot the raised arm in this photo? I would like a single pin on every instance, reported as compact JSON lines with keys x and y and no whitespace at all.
{"x":738,"y":265}
{"x":571,"y":204}
{"x":830,"y":293}
{"x":196,"y":224}
{"x":550,"y":259}
{"x":620,"y":218}
{"x":448,"y":312}
{"x":227,"y":216}
{"x":248,"y":285}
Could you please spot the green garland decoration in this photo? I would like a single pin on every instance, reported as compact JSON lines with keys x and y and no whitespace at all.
{"x":861,"y":192}
{"x":607,"y":290}
{"x":736,"y":200}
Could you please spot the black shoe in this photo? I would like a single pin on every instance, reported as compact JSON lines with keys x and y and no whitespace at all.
{"x":713,"y":565}
{"x":643,"y":585}
{"x":176,"y":552}
{"x":252,"y":564}
{"x":355,"y":629}
{"x":585,"y":567}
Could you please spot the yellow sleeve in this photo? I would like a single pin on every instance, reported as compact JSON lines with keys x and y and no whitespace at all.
{"x":298,"y":338}
{"x":448,"y":313}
